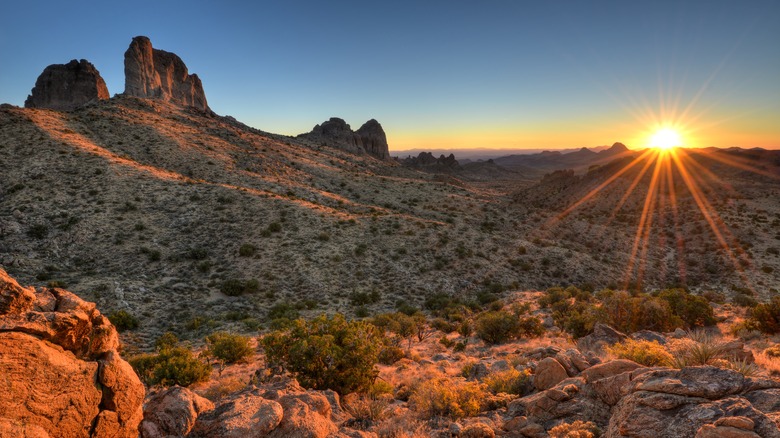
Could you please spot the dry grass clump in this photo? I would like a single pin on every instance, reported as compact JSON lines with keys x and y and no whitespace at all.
{"x":648,"y":353}
{"x":510,"y":381}
{"x":769,"y":360}
{"x":577,"y":429}
{"x":223,"y":387}
{"x":447,"y":397}
{"x":403,"y":427}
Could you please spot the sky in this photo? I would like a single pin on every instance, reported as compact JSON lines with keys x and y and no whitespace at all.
{"x":440,"y":74}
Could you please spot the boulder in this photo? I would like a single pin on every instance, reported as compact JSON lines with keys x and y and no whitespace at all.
{"x":154,"y":73}
{"x":172,"y":412}
{"x":245,"y":414}
{"x":549,"y":372}
{"x":608,"y":369}
{"x":602,"y":336}
{"x":649,"y":335}
{"x":67,"y":86}
{"x":62,"y":373}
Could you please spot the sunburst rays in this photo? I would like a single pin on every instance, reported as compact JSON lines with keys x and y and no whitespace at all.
{"x":660,"y":227}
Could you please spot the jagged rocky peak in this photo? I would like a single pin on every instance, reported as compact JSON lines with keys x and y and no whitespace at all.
{"x":374,"y":139}
{"x":369,"y":138}
{"x":155,"y":73}
{"x":67,"y":86}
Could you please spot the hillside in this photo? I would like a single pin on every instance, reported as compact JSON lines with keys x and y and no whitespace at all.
{"x":141,"y":205}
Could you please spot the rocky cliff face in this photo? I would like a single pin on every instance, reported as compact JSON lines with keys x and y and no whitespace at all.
{"x":62,"y":375}
{"x":370,"y":138}
{"x":67,"y":86}
{"x":374,"y":140}
{"x":159,"y":74}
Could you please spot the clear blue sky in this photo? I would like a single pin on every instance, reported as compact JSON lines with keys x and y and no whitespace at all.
{"x":439,"y":74}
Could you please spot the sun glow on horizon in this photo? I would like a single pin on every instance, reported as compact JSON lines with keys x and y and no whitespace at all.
{"x":665,"y":139}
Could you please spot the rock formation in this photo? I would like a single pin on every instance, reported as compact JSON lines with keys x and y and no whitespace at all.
{"x":426,"y":161}
{"x":159,"y":74}
{"x":374,"y":140}
{"x":67,"y":86}
{"x":62,"y":375}
{"x":369,"y":139}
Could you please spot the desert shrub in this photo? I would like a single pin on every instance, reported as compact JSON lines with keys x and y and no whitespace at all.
{"x":123,"y":320}
{"x":766,"y":316}
{"x":229,"y":347}
{"x":390,"y":354}
{"x":235,"y":287}
{"x":247,"y":250}
{"x":365,"y":298}
{"x":403,"y":326}
{"x":743,"y":300}
{"x":773,"y":351}
{"x":466,"y":328}
{"x":327,"y":353}
{"x":576,"y":429}
{"x":510,"y":381}
{"x":196,"y":253}
{"x":648,"y":353}
{"x":693,"y":310}
{"x":274,"y":227}
{"x":444,"y":397}
{"x":530,"y":327}
{"x":365,"y":409}
{"x":443,"y":325}
{"x":496,"y":327}
{"x":176,"y":365}
{"x":38,"y":231}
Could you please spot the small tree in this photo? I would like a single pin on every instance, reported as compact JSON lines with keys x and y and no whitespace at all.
{"x":327,"y":353}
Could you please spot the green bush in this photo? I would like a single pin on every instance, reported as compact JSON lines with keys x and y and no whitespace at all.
{"x":766,"y":316}
{"x":693,"y":310}
{"x":530,"y":327}
{"x":123,"y":320}
{"x":247,"y":250}
{"x":235,"y":287}
{"x":228,"y":347}
{"x":327,"y":353}
{"x":497,"y":327}
{"x":171,"y":365}
{"x":283,"y":311}
{"x":390,"y":355}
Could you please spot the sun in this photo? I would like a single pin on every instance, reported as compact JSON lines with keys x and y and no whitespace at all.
{"x":665,"y":139}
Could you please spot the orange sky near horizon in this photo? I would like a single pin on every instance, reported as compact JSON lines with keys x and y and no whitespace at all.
{"x":757,"y":130}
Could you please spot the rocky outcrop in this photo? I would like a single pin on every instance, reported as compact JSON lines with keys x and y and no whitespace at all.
{"x":629,"y":400}
{"x":172,"y":412}
{"x":428,"y":162}
{"x":62,"y":373}
{"x":374,"y":140}
{"x":67,"y":86}
{"x":155,"y":73}
{"x":369,"y":138}
{"x":280,"y":408}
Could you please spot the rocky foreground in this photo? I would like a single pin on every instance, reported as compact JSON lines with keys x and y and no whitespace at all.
{"x":63,"y":376}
